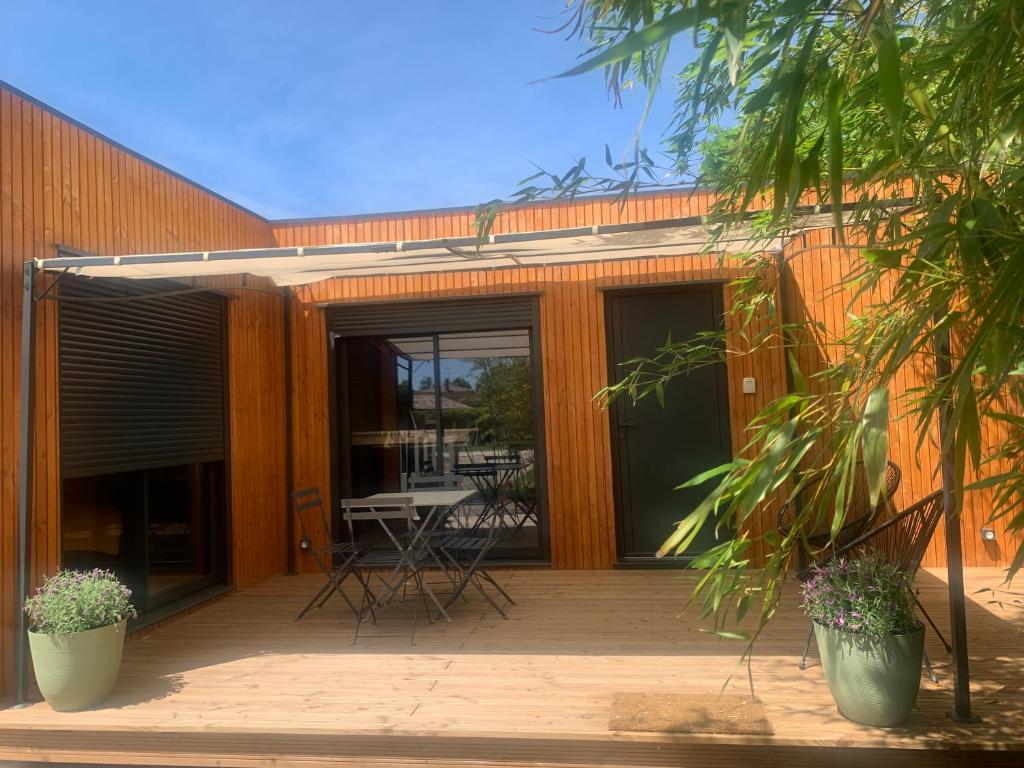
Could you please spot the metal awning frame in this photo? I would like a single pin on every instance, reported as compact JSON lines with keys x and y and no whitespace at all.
{"x":73,"y":257}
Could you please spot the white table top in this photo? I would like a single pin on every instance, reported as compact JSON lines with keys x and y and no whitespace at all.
{"x":427,"y":497}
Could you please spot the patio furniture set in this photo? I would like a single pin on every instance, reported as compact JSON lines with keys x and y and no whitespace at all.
{"x":422,"y":534}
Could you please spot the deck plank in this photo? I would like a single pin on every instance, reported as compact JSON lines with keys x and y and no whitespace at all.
{"x":240,"y":683}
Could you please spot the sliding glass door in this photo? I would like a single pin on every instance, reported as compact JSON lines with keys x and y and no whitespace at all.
{"x":452,"y":410}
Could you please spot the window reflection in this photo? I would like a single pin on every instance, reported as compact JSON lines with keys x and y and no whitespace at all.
{"x":160,"y":530}
{"x":452,"y":411}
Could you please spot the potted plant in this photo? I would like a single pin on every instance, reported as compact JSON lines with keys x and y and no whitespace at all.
{"x":870,"y":641}
{"x":76,"y":635}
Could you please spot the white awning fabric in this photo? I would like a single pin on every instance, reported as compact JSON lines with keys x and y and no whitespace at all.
{"x":303,"y":265}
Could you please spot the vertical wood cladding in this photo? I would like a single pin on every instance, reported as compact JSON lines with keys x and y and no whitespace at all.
{"x":574,"y":355}
{"x":572,"y":338}
{"x":816,"y":265}
{"x":61,"y":183}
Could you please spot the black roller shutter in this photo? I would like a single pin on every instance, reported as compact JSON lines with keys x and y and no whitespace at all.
{"x":141,"y":382}
{"x":433,"y":316}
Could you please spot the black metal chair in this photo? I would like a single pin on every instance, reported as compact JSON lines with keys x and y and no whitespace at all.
{"x":902,"y":540}
{"x":335,"y":559}
{"x":860,"y":516}
{"x":522,"y":496}
{"x":467,"y":553}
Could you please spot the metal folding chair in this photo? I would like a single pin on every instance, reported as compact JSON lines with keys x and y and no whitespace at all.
{"x":335,"y":559}
{"x":405,"y":560}
{"x":467,"y":554}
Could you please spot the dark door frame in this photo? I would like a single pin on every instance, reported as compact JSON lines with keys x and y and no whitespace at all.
{"x":339,"y":428}
{"x":613,"y":343}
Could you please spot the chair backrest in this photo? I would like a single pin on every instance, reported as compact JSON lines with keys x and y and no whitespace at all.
{"x":860,"y":499}
{"x":862,"y":514}
{"x":380,"y":510}
{"x":436,"y":482}
{"x":308,"y":508}
{"x":904,"y":538}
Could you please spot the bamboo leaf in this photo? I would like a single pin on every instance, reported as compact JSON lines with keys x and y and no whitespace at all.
{"x":799,"y":380}
{"x":889,"y":79}
{"x":834,"y":102}
{"x":703,"y":477}
{"x":686,"y":531}
{"x":727,"y":635}
{"x":889,"y":258}
{"x":735,"y":31}
{"x":994,"y":480}
{"x":650,"y":35}
{"x":875,"y":440}
{"x":1002,"y":142}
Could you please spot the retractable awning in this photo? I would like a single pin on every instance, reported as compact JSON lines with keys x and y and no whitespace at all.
{"x":309,"y":264}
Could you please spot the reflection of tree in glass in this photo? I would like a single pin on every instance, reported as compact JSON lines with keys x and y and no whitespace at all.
{"x":503,"y":399}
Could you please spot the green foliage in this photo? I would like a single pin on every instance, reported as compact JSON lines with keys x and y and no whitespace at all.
{"x":905,"y":117}
{"x":74,"y":601}
{"x":721,"y":155}
{"x":866,"y":596}
{"x":504,"y":400}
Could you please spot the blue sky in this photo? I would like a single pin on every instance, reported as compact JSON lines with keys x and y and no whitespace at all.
{"x":325,"y":107}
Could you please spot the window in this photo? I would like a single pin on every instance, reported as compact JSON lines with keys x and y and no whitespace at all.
{"x":160,"y":530}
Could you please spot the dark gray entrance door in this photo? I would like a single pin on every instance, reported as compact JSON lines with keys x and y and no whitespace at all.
{"x":655,"y":448}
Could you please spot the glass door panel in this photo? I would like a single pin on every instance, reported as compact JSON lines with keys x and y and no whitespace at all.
{"x":487,"y":421}
{"x":182,"y":506}
{"x":160,"y":530}
{"x":392,"y":412}
{"x":452,"y":410}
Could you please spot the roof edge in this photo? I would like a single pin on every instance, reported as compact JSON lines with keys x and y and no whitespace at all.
{"x":472,"y":208}
{"x":118,"y":145}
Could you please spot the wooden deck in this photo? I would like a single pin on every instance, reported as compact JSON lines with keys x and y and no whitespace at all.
{"x":239,"y":683}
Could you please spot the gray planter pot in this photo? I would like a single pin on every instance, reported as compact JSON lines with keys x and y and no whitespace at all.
{"x":77,"y":671}
{"x":874,"y":682}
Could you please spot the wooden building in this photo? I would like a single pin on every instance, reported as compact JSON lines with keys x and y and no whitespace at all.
{"x":306,"y":387}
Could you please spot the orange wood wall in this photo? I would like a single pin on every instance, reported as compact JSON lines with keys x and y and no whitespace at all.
{"x":816,"y":266}
{"x":61,"y":183}
{"x":572,"y":339}
{"x":572,"y":335}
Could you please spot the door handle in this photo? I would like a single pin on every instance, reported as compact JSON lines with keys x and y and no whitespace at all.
{"x":623,"y":424}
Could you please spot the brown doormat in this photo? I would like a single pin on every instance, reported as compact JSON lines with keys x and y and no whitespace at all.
{"x":689,"y":713}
